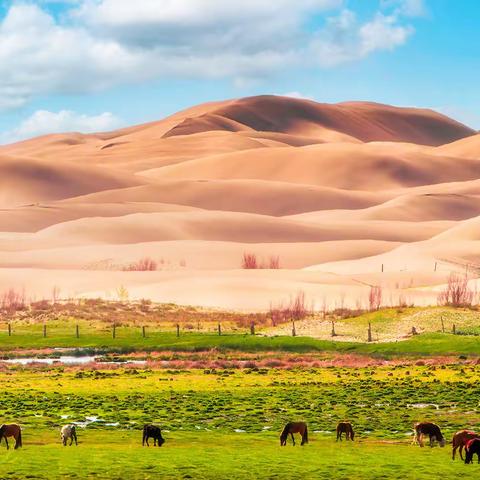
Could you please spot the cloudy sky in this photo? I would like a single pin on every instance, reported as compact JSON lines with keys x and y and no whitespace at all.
{"x":92,"y":65}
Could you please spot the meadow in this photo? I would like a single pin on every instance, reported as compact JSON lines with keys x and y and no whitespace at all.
{"x":222,"y":400}
{"x":225,"y":423}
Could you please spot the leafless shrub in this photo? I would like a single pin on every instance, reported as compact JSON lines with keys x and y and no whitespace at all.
{"x":12,"y":300}
{"x":249,"y":261}
{"x":145,"y":264}
{"x":375,"y":297}
{"x":457,"y":292}
{"x":274,"y":262}
{"x":296,"y":309}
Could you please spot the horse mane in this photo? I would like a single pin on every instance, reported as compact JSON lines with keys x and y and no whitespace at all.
{"x":285,"y":430}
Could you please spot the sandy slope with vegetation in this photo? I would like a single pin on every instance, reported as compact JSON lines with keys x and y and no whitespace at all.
{"x":341,"y":197}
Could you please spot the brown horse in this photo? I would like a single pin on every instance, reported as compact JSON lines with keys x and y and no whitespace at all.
{"x":11,"y":430}
{"x":460,"y":439}
{"x":290,"y":429}
{"x":347,"y":429}
{"x":427,"y":428}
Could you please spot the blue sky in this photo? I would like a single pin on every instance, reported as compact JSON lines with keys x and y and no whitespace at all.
{"x":92,"y":65}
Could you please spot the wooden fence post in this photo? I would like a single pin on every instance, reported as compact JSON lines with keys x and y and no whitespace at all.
{"x":77,"y":331}
{"x":44,"y":330}
{"x":443,"y":324}
{"x":435,"y":269}
{"x":219,"y":329}
{"x":294,"y":331}
{"x":114,"y":332}
{"x":454,"y":330}
{"x":9,"y":329}
{"x":382,"y":267}
{"x":178,"y":330}
{"x":252,"y":328}
{"x":143,"y":331}
{"x":333,"y":329}
{"x":369,"y":332}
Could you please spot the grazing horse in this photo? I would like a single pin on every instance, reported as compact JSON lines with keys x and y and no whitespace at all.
{"x":347,"y":429}
{"x":68,"y":432}
{"x":460,"y":439}
{"x":11,"y":430}
{"x":152,"y":431}
{"x":291,"y":428}
{"x":427,"y":428}
{"x":472,"y":447}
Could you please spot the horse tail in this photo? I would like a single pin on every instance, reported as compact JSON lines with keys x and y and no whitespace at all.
{"x":305,"y":435}
{"x":19,"y":439}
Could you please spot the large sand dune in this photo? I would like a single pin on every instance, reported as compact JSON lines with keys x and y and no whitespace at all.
{"x":337,"y":192}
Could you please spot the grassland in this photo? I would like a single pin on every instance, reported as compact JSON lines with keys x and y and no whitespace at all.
{"x":118,"y":455}
{"x":198,"y":330}
{"x":222,"y":420}
{"x":225,"y":424}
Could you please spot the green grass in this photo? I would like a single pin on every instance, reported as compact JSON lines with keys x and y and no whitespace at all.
{"x":200,"y":412}
{"x":207,"y":455}
{"x":130,"y":339}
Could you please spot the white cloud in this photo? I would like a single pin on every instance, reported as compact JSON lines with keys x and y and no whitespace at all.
{"x":43,"y":122}
{"x":97,"y":44}
{"x":409,"y":8}
{"x":345,"y":39}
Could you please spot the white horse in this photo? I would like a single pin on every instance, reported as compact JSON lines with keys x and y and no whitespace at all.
{"x":68,"y":432}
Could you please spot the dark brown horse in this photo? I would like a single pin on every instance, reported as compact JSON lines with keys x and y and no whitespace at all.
{"x":347,"y":429}
{"x":152,"y":431}
{"x":460,"y":439}
{"x":430,"y":429}
{"x":290,"y":429}
{"x":11,"y":430}
{"x":472,"y":447}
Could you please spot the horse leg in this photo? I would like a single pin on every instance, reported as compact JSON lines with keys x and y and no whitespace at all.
{"x":6,"y":441}
{"x":454,"y":449}
{"x":431,"y":441}
{"x":460,"y":451}
{"x":293,"y":438}
{"x":64,"y":440}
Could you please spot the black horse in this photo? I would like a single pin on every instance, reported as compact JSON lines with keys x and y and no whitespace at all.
{"x":472,"y":447}
{"x":152,"y":431}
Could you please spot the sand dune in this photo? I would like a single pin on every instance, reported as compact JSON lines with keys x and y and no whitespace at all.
{"x":466,"y":147}
{"x":337,"y":192}
{"x":23,"y":180}
{"x":340,"y":165}
{"x":361,"y":120}
{"x":252,"y":196}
